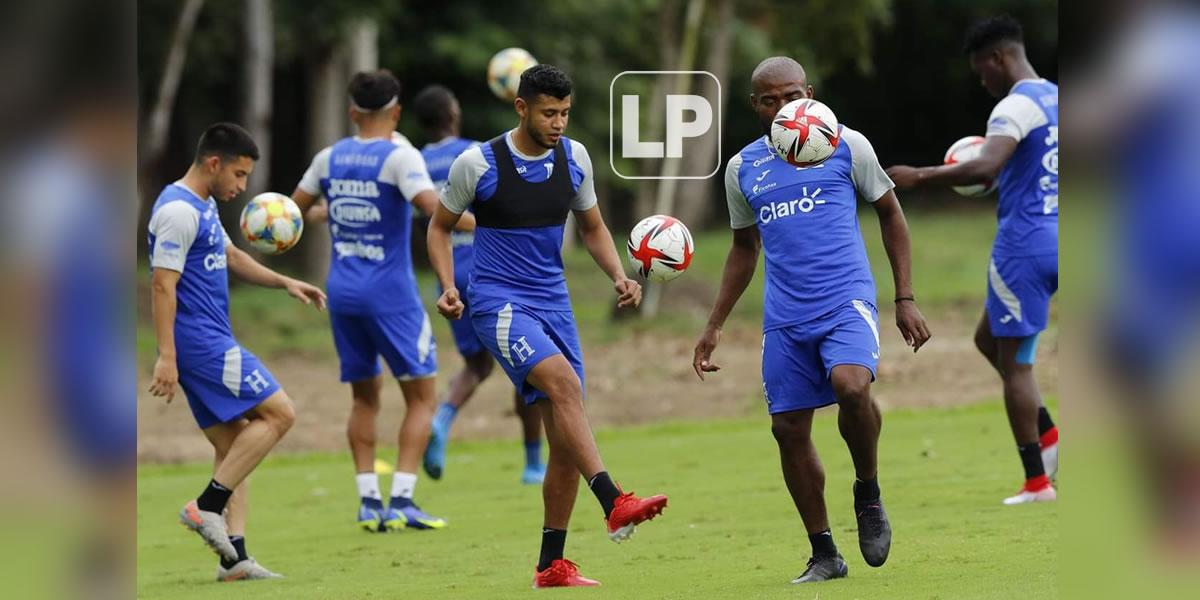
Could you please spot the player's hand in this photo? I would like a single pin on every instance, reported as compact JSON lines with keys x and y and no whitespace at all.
{"x":166,"y":378}
{"x":450,"y":304}
{"x":912,"y":324}
{"x":702,"y":358}
{"x":306,"y":293}
{"x":319,"y":213}
{"x":629,"y":292}
{"x":904,"y":176}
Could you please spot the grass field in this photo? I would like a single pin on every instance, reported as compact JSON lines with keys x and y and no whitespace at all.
{"x":730,"y":531}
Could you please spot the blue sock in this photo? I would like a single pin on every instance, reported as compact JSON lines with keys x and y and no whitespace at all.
{"x":399,"y":502}
{"x":444,"y":416}
{"x":372,"y":503}
{"x":533,"y":453}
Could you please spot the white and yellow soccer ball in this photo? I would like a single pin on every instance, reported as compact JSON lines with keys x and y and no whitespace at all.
{"x":964,"y":150}
{"x":504,"y":71}
{"x":660,"y":248}
{"x":272,"y":223}
{"x":805,"y":133}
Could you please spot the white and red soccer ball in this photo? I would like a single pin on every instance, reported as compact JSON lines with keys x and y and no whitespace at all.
{"x":660,"y":248}
{"x":272,"y":223}
{"x":504,"y":71}
{"x":967,"y":149}
{"x":805,"y":133}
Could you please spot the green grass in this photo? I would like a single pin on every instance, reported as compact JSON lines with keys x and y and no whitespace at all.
{"x":730,"y":531}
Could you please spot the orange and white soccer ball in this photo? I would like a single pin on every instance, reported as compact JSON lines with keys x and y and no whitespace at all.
{"x":504,"y":71}
{"x":964,"y":150}
{"x":660,"y":248}
{"x":805,"y":133}
{"x":272,"y":223}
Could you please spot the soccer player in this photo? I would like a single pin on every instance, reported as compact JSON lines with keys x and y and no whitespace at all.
{"x":520,"y":187}
{"x":820,"y":329}
{"x":1021,"y":149}
{"x":440,"y":117}
{"x":370,"y":180}
{"x":234,"y":398}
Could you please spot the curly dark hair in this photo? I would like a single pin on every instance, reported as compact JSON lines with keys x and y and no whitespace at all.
{"x":986,"y":32}
{"x":544,"y":79}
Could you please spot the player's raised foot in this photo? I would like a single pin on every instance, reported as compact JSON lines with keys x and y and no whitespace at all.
{"x":246,"y":570}
{"x":434,"y":461}
{"x":1049,"y":444}
{"x":210,"y":526}
{"x":403,"y":514}
{"x":561,"y":573}
{"x":370,"y":515}
{"x":823,"y":568}
{"x":1037,"y":489}
{"x":533,"y":474}
{"x":874,"y":532}
{"x":629,"y":510}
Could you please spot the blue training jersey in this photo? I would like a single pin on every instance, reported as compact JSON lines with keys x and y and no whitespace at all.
{"x":369,"y":184}
{"x":1028,"y":211}
{"x":807,"y":219}
{"x":517,"y":264}
{"x":185,"y":235}
{"x":438,"y":157}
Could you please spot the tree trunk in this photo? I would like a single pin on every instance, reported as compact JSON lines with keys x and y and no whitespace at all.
{"x":258,"y":35}
{"x":158,"y":125}
{"x":326,"y":123}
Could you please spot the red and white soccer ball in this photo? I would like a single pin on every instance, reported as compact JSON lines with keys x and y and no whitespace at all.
{"x":272,"y":223}
{"x":805,"y":133}
{"x":504,"y":71}
{"x":964,"y":150}
{"x":660,"y":248}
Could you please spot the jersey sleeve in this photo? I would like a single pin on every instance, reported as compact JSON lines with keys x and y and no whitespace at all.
{"x":175,"y":226}
{"x":741,"y":215}
{"x":1015,"y":116}
{"x":318,"y":170}
{"x":865,"y":171}
{"x":465,"y":173}
{"x":405,"y":169}
{"x":585,"y":197}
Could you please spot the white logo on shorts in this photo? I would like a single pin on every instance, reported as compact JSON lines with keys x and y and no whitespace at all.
{"x":522,"y":349}
{"x":256,"y":381}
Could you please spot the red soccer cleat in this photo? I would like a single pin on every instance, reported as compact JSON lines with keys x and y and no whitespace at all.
{"x":629,"y":510}
{"x":561,"y":573}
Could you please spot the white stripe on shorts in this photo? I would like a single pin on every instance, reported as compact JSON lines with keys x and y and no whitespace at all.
{"x":863,"y":310}
{"x":1010,"y":300}
{"x":503,"y":323}
{"x":232,"y":375}
{"x":425,"y":340}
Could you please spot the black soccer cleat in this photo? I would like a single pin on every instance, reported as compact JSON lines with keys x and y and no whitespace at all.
{"x":874,"y":532}
{"x":823,"y":568}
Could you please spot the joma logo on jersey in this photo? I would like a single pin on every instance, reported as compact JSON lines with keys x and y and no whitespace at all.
{"x":354,"y":212}
{"x":779,"y":210}
{"x":353,"y":187}
{"x":215,"y":261}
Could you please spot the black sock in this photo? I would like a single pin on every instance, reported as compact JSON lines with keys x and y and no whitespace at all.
{"x":214,"y":498}
{"x":1031,"y":459}
{"x":239,"y":544}
{"x":374,"y":503}
{"x":605,"y":490}
{"x":1045,"y":423}
{"x":866,"y":492}
{"x":822,"y":544}
{"x":553,"y":541}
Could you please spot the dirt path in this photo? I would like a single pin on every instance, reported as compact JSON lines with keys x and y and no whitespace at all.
{"x":637,"y":380}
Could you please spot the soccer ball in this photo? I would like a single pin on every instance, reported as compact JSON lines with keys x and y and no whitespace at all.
{"x":272,"y":223}
{"x":660,"y":248}
{"x":504,"y":71}
{"x":805,"y":133}
{"x":965,"y":150}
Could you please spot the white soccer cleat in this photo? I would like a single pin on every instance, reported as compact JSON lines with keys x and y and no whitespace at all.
{"x":1050,"y":461}
{"x":246,"y":570}
{"x":1045,"y":494}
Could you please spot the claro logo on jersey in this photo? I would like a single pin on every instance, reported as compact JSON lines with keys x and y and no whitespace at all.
{"x":215,"y":261}
{"x":778,"y":210}
{"x":354,"y":212}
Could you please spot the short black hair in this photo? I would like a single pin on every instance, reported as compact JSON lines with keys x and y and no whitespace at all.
{"x":432,"y":105}
{"x":544,"y":79}
{"x":227,"y":140}
{"x":986,"y":32}
{"x":372,"y":90}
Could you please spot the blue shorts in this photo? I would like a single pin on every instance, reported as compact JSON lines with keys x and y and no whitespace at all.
{"x":797,"y":359}
{"x":404,"y":339}
{"x":520,"y":338}
{"x":1018,"y":296}
{"x":223,"y":388}
{"x":465,"y":339}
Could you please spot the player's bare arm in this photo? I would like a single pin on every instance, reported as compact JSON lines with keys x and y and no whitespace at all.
{"x":314,"y":209}
{"x":599,"y":243}
{"x":896,"y":241}
{"x":993,"y":155}
{"x":739,"y":270}
{"x":427,"y":202}
{"x":166,"y":373}
{"x":437,"y":240}
{"x":249,"y":270}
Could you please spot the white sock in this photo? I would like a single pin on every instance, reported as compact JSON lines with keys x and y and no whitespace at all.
{"x":368,"y":485}
{"x":403,"y":484}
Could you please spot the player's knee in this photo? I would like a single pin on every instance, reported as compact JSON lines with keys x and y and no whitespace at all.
{"x":564,"y":389}
{"x":790,"y":430}
{"x":985,"y":344}
{"x":481,"y":365}
{"x":367,"y":400}
{"x":279,"y":413}
{"x":852,"y":387}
